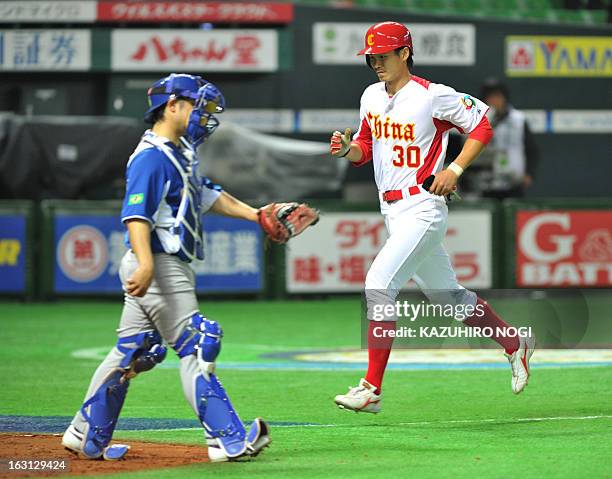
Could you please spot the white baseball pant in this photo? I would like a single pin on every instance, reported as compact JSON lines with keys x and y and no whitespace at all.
{"x":414,"y":250}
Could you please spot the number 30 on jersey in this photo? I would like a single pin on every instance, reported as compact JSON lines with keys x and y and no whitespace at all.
{"x":409,"y":156}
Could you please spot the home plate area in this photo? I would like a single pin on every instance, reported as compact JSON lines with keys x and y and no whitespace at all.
{"x":29,"y":455}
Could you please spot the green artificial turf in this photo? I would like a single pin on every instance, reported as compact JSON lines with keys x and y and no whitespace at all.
{"x":434,"y":423}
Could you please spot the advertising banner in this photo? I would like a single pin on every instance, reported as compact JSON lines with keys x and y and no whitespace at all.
{"x":581,"y":121}
{"x":192,"y":12}
{"x":45,"y":50}
{"x":89,"y":249}
{"x":564,"y":248}
{"x":90,"y":11}
{"x":336,"y":255}
{"x":434,"y":43}
{"x":45,"y":11}
{"x":194,"y":50}
{"x":234,"y":256}
{"x":559,"y":56}
{"x":88,"y":252}
{"x":12,"y":253}
{"x":325,"y":120}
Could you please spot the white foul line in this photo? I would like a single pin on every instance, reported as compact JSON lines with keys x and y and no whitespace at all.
{"x":501,"y":420}
{"x":416,"y":423}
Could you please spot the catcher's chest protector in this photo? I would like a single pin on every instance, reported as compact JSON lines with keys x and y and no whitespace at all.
{"x":187,"y":224}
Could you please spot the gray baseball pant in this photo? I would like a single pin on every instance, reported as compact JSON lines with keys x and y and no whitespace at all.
{"x":167,"y":307}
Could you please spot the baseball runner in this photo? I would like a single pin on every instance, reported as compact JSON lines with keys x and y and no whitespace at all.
{"x":404,"y":127}
{"x":165,"y":198}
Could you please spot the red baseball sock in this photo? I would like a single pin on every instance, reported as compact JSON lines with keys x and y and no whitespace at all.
{"x":379,"y":348}
{"x":492,"y":320}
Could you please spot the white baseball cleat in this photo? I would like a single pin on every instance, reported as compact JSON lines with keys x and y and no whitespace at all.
{"x":360,"y":398}
{"x":73,"y":441}
{"x":519,"y":362}
{"x":216,"y":454}
{"x":257,"y":440}
{"x":259,"y":437}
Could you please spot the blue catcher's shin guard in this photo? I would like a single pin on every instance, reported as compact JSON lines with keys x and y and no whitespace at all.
{"x":101,"y":411}
{"x":141,"y":353}
{"x":217,"y":415}
{"x":202,"y":338}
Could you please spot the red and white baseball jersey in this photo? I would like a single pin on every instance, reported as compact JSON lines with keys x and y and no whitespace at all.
{"x":406,"y":135}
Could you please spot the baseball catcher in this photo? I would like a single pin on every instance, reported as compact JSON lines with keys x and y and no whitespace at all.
{"x":164,"y":201}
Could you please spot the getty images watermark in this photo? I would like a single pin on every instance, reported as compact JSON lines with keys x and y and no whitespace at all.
{"x":410,"y":311}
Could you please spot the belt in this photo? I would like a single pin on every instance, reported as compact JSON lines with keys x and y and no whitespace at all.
{"x":395,"y":195}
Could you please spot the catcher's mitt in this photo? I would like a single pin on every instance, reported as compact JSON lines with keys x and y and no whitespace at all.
{"x":282,"y":221}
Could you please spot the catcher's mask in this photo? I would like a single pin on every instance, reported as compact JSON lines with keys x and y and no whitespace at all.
{"x":202,"y":122}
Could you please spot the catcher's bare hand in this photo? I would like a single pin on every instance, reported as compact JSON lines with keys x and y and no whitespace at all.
{"x":340,"y":143}
{"x":444,"y":183}
{"x":283,"y":221}
{"x":139,"y":282}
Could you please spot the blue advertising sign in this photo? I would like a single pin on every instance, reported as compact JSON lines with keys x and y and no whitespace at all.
{"x":12,"y":253}
{"x":89,"y":251}
{"x":234,"y":256}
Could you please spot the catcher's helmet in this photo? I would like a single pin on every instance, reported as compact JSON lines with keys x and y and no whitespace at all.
{"x":385,"y":37}
{"x":175,"y":85}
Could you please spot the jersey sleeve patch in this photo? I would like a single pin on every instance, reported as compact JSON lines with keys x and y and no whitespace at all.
{"x":468,"y":102}
{"x":136,"y":199}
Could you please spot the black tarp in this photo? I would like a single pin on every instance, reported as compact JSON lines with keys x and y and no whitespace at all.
{"x":63,"y":157}
{"x":85,"y":157}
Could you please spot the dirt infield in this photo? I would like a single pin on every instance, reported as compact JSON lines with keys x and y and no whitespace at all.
{"x":47,"y":447}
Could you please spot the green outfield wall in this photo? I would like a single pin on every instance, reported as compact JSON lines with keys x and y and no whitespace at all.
{"x":74,"y":248}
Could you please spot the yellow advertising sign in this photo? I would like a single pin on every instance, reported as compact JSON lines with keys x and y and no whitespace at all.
{"x":560,"y":56}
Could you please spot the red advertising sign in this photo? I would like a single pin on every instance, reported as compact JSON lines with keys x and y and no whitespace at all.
{"x":564,"y":248}
{"x":337,"y":254}
{"x":195,"y":12}
{"x":222,"y":50}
